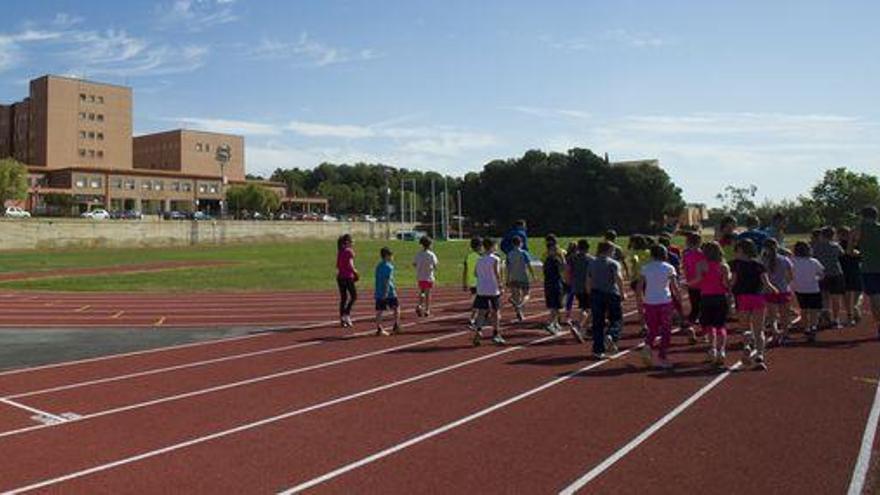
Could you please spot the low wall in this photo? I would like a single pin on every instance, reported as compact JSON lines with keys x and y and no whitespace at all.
{"x":46,"y":233}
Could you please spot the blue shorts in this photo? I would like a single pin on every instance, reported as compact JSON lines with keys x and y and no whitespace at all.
{"x":553,"y":296}
{"x":871,"y":283}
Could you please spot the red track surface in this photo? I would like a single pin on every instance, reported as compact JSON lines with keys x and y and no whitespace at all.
{"x":272,"y":411}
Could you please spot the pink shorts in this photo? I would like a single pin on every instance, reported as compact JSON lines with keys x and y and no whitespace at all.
{"x":781,"y":298}
{"x":750,"y":302}
{"x":426,"y":285}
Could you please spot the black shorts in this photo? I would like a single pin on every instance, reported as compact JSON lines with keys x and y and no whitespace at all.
{"x":387,"y":303}
{"x":871,"y":283}
{"x":487,"y":302}
{"x":473,"y":291}
{"x":583,"y":300}
{"x":810,"y":300}
{"x":713,"y":311}
{"x":833,"y":284}
{"x":553,"y":297}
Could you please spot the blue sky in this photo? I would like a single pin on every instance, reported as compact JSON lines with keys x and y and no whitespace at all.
{"x":770,"y":93}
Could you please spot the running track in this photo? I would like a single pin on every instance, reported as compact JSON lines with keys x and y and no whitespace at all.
{"x":317,"y":409}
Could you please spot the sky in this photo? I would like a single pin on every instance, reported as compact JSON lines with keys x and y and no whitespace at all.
{"x":770,"y":93}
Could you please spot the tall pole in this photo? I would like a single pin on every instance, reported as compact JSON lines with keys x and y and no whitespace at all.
{"x":402,"y":201}
{"x":460,"y":230}
{"x":414,"y":199}
{"x":433,"y":211}
{"x":445,"y":209}
{"x":387,"y":206}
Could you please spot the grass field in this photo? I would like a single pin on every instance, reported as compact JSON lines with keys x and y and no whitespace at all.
{"x":305,"y":265}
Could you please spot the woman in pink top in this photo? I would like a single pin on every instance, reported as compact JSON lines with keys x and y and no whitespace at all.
{"x":346,"y":277}
{"x":690,"y":259}
{"x":713,"y":279}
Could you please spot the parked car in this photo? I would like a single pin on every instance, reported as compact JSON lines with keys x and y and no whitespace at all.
{"x":410,"y":235}
{"x":175,"y":215}
{"x":329,"y":218}
{"x":201,"y":216}
{"x":132,"y":215}
{"x":308,"y":217}
{"x":370,"y":218}
{"x":16,"y":212}
{"x":284,"y":216}
{"x":96,"y":214}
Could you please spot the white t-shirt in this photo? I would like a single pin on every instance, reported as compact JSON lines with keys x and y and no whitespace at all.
{"x":657,"y":275}
{"x":807,"y":273}
{"x":487,"y":281}
{"x":426,"y":264}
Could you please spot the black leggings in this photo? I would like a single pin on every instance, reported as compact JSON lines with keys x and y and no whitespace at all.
{"x":695,"y":296}
{"x":347,"y":295}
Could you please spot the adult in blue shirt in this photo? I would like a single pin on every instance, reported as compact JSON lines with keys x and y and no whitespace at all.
{"x":753,"y":232}
{"x":518,"y":230}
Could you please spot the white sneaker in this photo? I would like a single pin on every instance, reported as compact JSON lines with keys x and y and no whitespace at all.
{"x":498,"y":339}
{"x":610,"y":345}
{"x":550,"y":328}
{"x":576,"y":333}
{"x":520,"y":317}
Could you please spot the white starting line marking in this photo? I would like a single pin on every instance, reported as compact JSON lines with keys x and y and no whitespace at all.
{"x":651,"y":430}
{"x":275,"y":419}
{"x":43,"y":415}
{"x":863,"y":462}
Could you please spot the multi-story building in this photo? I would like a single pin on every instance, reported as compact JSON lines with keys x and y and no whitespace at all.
{"x":75,"y":136}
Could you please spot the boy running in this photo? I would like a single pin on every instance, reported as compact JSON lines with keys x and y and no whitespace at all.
{"x":606,"y":296}
{"x":851,"y":262}
{"x":867,"y":239}
{"x":807,"y":272}
{"x":469,"y":274}
{"x":488,"y":293}
{"x":554,"y":273}
{"x":386,"y":292}
{"x":519,"y":276}
{"x":426,"y":268}
{"x":580,"y":274}
{"x":833,"y":286}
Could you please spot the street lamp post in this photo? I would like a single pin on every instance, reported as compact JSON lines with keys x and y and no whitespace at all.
{"x":224,"y":154}
{"x":387,"y":172}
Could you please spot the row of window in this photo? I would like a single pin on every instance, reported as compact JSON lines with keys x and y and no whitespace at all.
{"x":91,"y":153}
{"x":206,"y":147}
{"x":91,"y":135}
{"x":91,"y":182}
{"x":91,"y":98}
{"x":159,"y":185}
{"x":91,"y":116}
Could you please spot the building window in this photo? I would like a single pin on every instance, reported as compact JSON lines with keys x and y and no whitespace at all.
{"x":100,"y":117}
{"x":175,"y":186}
{"x":82,"y":116}
{"x":203,"y":188}
{"x":91,"y":153}
{"x":91,"y":134}
{"x":92,"y":98}
{"x":207,"y":147}
{"x":214,"y":188}
{"x":129,"y":184}
{"x":186,"y":186}
{"x":91,"y":116}
{"x":82,"y":97}
{"x":198,"y":146}
{"x":100,"y":153}
{"x":101,"y":99}
{"x":82,"y":152}
{"x":117,"y":183}
{"x":80,"y":182}
{"x":95,"y":183}
{"x":82,"y":134}
{"x":100,"y":136}
{"x":146,"y":185}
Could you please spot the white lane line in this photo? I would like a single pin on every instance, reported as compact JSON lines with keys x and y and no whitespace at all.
{"x":34,"y":410}
{"x":449,"y":426}
{"x":863,"y":463}
{"x":274,"y":419}
{"x":205,"y":362}
{"x":651,"y":430}
{"x":172,"y":348}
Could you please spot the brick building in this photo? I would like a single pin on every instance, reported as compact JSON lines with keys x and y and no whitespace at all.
{"x":75,"y":136}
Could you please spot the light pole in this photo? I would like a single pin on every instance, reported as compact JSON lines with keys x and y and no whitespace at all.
{"x":387,"y":172}
{"x":224,"y":154}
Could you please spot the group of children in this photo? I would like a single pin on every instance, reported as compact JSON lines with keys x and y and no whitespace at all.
{"x":751,"y":272}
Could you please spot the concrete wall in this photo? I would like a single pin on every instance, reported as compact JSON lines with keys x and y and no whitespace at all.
{"x":44,"y":233}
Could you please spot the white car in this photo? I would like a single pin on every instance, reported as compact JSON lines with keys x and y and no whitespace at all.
{"x":329,"y":218}
{"x":16,"y":212}
{"x":98,"y":214}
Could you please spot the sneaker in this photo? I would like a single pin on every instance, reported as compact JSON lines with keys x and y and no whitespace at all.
{"x":498,"y":339}
{"x":747,"y":355}
{"x":811,"y":334}
{"x":396,"y":329}
{"x":643,"y":331}
{"x":598,"y":356}
{"x":381,"y":332}
{"x":426,"y":313}
{"x":550,"y":328}
{"x":611,"y":345}
{"x":478,"y":339}
{"x":759,"y":363}
{"x":520,"y":317}
{"x":692,"y":335}
{"x":472,"y":324}
{"x":713,"y":355}
{"x":837,"y":325}
{"x":647,"y":356}
{"x":419,"y":312}
{"x":576,"y":333}
{"x":857,"y":314}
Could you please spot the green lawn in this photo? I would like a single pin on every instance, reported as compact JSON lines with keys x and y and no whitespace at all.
{"x":304,"y":265}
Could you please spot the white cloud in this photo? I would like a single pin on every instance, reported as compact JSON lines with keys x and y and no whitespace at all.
{"x":242,"y":127}
{"x":196,"y":15}
{"x":635,"y":40}
{"x":311,"y":129}
{"x":549,"y":113}
{"x":309,"y":50}
{"x":607,"y":39}
{"x":91,"y":52}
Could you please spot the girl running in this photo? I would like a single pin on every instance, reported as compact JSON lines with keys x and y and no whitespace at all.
{"x":346,"y":278}
{"x":554,"y":269}
{"x":692,"y":257}
{"x":567,"y":281}
{"x":469,"y":274}
{"x":638,"y":255}
{"x":851,"y":262}
{"x":426,"y":268}
{"x":750,"y":284}
{"x":658,"y":282}
{"x":386,"y":292}
{"x":713,"y":279}
{"x":807,"y":271}
{"x":779,"y":268}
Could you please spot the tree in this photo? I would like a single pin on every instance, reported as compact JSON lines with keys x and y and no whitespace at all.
{"x":13,"y":181}
{"x":738,"y":200}
{"x":252,"y":197}
{"x":842,"y":193}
